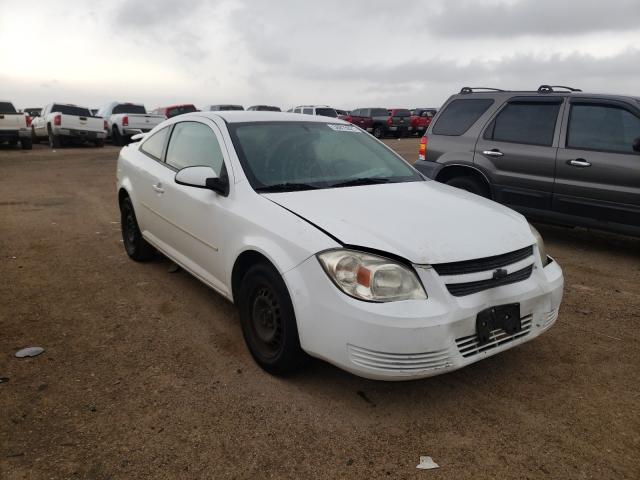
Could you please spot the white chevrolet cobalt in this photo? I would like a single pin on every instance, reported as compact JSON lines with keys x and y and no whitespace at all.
{"x":332,"y":246}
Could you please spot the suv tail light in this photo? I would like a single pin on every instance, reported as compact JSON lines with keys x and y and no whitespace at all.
{"x":57,"y":120}
{"x":28,"y":119}
{"x":125,"y":121}
{"x":106,"y":125}
{"x":422,"y":153}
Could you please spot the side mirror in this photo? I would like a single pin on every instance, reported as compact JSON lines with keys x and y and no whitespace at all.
{"x":636,"y":145}
{"x":202,"y":177}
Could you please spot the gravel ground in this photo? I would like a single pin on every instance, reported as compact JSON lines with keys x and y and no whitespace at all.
{"x":145,"y":373}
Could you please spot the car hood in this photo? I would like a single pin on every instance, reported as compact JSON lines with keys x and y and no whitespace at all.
{"x":423,"y":222}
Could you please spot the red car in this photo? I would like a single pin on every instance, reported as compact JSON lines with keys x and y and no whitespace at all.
{"x":421,"y":119}
{"x":173,"y":110}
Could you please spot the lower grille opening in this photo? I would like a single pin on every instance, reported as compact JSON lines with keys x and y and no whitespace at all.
{"x":399,"y":362}
{"x":468,"y":346}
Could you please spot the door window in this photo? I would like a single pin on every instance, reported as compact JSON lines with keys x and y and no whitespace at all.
{"x":308,"y":111}
{"x":153,"y":145}
{"x":528,"y":123}
{"x":194,"y":144}
{"x":602,"y":127}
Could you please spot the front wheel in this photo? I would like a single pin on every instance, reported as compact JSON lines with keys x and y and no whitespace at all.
{"x":135,"y":245}
{"x":470,"y":184}
{"x":268,"y":321}
{"x":54,"y":140}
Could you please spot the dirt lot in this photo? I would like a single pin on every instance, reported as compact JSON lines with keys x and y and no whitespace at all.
{"x":145,"y":373}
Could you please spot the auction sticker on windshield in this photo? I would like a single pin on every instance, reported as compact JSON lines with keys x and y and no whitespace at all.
{"x":343,"y":128}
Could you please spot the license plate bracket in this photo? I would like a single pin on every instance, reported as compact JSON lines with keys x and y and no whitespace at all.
{"x":504,"y":317}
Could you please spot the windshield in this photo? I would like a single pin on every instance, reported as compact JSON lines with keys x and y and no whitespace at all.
{"x":282,"y":156}
{"x":129,"y":108}
{"x":327,"y":112}
{"x":71,"y":110}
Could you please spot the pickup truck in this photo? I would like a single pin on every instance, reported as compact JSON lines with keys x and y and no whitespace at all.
{"x":14,"y":126}
{"x":63,"y":123}
{"x":421,"y":119}
{"x":123,"y":120}
{"x":381,"y":121}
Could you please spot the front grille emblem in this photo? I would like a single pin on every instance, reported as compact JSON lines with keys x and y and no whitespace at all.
{"x":499,"y":274}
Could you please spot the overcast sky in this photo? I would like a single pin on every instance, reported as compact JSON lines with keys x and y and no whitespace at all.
{"x":345,"y":53}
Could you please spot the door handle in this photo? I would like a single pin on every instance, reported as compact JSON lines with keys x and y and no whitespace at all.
{"x":158,"y":188}
{"x":579,"y":162}
{"x":494,"y":152}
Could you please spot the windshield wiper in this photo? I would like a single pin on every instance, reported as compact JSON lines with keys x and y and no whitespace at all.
{"x":286,"y":187}
{"x":360,"y":181}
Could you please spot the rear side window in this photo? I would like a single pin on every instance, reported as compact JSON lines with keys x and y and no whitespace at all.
{"x":602,"y":127}
{"x":379,"y":112}
{"x":529,"y":123}
{"x":6,"y":107}
{"x":459,"y":115}
{"x":194,"y":144}
{"x":307,"y":111}
{"x":153,"y":145}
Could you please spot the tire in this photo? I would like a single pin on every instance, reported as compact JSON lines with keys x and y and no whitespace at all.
{"x":34,"y":137}
{"x":268,"y":321}
{"x":378,"y":131}
{"x":99,"y":143}
{"x":54,"y":140}
{"x":117,"y":138}
{"x":135,"y":245}
{"x":26,"y":143}
{"x":470,"y":184}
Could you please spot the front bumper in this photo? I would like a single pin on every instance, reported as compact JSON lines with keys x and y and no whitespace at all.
{"x":415,"y":338}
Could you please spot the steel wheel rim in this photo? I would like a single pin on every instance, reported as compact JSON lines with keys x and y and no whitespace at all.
{"x":266,"y":321}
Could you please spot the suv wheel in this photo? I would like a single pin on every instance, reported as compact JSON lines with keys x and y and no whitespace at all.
{"x":268,"y":321}
{"x":470,"y":184}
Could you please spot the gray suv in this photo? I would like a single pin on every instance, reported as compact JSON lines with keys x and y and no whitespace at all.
{"x":555,"y":154}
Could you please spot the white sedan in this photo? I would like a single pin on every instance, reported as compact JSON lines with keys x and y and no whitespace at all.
{"x":332,"y":246}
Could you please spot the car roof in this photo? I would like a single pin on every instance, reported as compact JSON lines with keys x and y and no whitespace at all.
{"x":178,"y":105}
{"x":241,"y":116}
{"x":535,"y":93}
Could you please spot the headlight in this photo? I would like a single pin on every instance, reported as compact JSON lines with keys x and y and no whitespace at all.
{"x":541,"y":248}
{"x":370,"y":277}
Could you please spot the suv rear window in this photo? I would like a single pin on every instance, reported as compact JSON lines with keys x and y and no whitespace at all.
{"x":128,"y":108}
{"x":71,"y":110}
{"x":6,"y":107}
{"x":529,"y":123}
{"x":327,"y":112}
{"x":459,"y":115}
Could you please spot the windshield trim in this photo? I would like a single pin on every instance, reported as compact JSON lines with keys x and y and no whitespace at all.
{"x":256,"y":185}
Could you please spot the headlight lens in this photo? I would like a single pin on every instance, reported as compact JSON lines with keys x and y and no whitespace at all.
{"x":370,"y":277}
{"x":541,"y":248}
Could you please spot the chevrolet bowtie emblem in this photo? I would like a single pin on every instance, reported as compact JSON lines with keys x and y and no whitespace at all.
{"x":499,"y":274}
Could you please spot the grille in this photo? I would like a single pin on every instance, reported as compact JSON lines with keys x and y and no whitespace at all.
{"x":467,"y":288}
{"x":550,"y":318}
{"x":482,"y":264}
{"x":399,"y":362}
{"x":468,"y":346}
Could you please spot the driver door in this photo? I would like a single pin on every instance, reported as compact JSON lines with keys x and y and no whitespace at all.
{"x":194,"y":217}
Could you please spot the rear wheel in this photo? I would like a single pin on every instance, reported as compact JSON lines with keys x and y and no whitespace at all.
{"x":378,"y":131}
{"x":470,"y":184}
{"x":34,"y":137}
{"x":268,"y":321}
{"x":26,"y":144}
{"x":136,"y":246}
{"x":118,"y":139}
{"x":54,"y":140}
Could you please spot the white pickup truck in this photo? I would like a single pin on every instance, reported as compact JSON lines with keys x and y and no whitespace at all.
{"x":14,"y":126}
{"x":62,"y":123}
{"x":127,"y":119}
